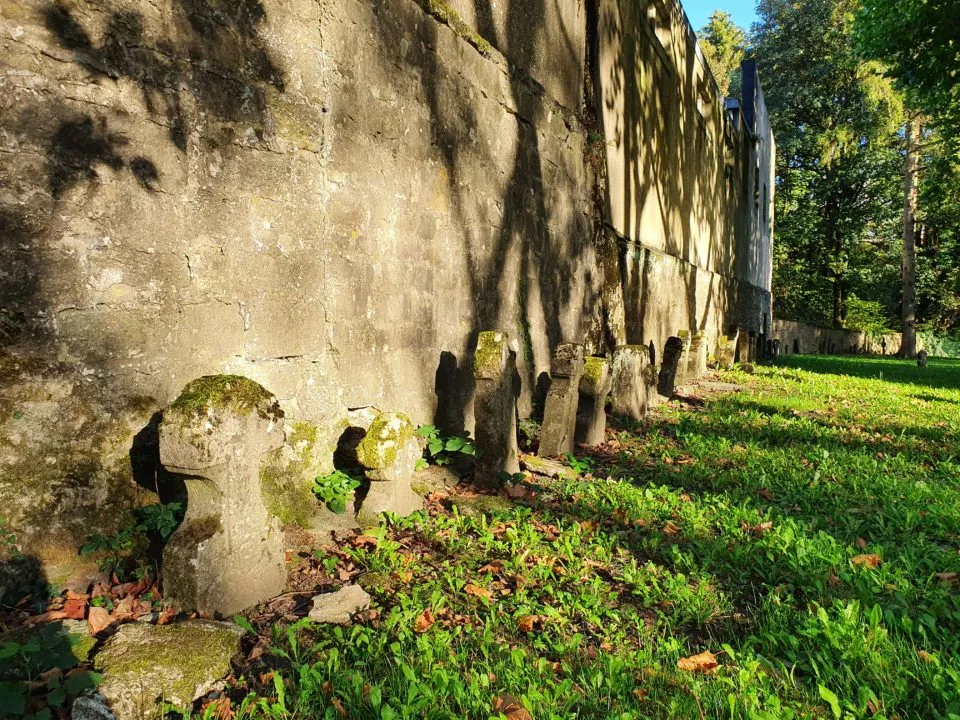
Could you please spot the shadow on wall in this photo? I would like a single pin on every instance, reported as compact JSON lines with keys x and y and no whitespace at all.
{"x":525,"y":265}
{"x":206,"y":59}
{"x":211,"y":53}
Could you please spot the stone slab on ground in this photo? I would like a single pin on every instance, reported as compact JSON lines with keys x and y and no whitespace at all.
{"x":142,"y":664}
{"x":547,"y":468}
{"x":339,"y":607}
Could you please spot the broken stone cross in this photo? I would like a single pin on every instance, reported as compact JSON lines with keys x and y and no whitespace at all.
{"x":227,"y":554}
{"x":389,"y":453}
{"x":628,"y":375}
{"x":592,"y":413}
{"x":495,"y":412}
{"x":560,"y":409}
{"x":672,"y":355}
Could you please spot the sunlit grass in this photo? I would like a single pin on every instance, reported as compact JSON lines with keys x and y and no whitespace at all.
{"x":734,"y":527}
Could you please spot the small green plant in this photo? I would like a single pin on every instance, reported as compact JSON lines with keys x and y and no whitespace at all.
{"x":132,"y":541}
{"x":444,"y":449}
{"x":27,"y":687}
{"x":336,"y":490}
{"x":581,"y":466}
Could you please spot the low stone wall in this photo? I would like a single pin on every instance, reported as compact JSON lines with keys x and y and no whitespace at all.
{"x":797,"y":338}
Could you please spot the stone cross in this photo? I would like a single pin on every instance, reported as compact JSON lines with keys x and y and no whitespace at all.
{"x":560,"y":409}
{"x":672,"y":355}
{"x":227,"y":554}
{"x":595,"y":384}
{"x":389,"y":453}
{"x":628,"y":371}
{"x":495,"y":413}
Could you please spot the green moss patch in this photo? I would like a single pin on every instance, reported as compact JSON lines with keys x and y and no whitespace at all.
{"x":387,"y":434}
{"x":226,"y":392}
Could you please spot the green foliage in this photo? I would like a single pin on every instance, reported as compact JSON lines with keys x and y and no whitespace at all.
{"x":839,"y":170}
{"x":132,"y":541}
{"x":443,"y":450}
{"x":336,"y":490}
{"x":732,"y":527}
{"x":724,"y":45}
{"x":580,"y":466}
{"x":27,"y":687}
{"x":867,"y":315}
{"x":917,"y":40}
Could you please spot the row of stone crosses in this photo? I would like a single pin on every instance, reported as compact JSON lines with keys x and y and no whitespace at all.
{"x":228,"y":553}
{"x":574,"y":412}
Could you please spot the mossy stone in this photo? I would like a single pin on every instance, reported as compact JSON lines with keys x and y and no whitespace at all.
{"x":226,"y":392}
{"x":387,"y":434}
{"x":178,"y":663}
{"x":488,"y":357}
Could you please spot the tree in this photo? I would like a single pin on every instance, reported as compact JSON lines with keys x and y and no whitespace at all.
{"x":918,"y":41}
{"x":839,"y":164}
{"x":724,"y":45}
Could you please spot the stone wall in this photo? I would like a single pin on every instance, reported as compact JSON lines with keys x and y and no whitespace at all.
{"x":798,"y":338}
{"x":333,"y":198}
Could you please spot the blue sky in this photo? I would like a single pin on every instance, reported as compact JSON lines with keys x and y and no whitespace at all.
{"x":743,"y":11}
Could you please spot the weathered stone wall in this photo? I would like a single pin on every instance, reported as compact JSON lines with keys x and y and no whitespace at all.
{"x":805,"y":339}
{"x":682,"y":176}
{"x":333,"y":198}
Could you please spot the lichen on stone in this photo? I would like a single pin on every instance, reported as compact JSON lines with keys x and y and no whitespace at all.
{"x":387,"y":434}
{"x":447,"y":15}
{"x":592,"y":372}
{"x":488,"y":357}
{"x":226,"y":392}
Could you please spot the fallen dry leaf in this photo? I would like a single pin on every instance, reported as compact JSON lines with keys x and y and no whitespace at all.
{"x":517,"y":491}
{"x":494,"y":568}
{"x":925,"y":656}
{"x":404,"y":577}
{"x":862,"y":543}
{"x":49,"y":616}
{"x":508,"y":706}
{"x":75,"y":608}
{"x":701,"y":662}
{"x":477,"y":591}
{"x":871,"y":560}
{"x":525,"y":623}
{"x":219,"y":709}
{"x":364,"y":541}
{"x":98,"y":620}
{"x":765,"y":493}
{"x":166,"y":616}
{"x":671,"y":528}
{"x":424,"y":621}
{"x":949,"y":578}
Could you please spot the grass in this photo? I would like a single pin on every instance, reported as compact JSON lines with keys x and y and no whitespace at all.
{"x":803,"y":530}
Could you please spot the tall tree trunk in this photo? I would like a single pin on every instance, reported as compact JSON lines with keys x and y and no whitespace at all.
{"x":908,"y":343}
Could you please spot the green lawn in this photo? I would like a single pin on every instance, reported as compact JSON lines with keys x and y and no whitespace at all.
{"x":731,"y":525}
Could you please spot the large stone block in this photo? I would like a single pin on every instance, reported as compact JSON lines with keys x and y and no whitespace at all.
{"x":494,"y":368}
{"x":228,"y":553}
{"x":143,"y":665}
{"x":672,"y":357}
{"x":560,"y":409}
{"x":629,"y":380}
{"x":595,"y":385}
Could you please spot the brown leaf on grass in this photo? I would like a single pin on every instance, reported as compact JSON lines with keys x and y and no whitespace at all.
{"x":525,"y":623}
{"x":424,"y":621}
{"x":671,"y":528}
{"x":758,"y":529}
{"x":507,"y":705}
{"x":477,"y":591}
{"x":494,"y":568}
{"x":166,"y":616}
{"x":404,"y":576}
{"x":361,"y":541}
{"x":870,"y":561}
{"x":75,"y":608}
{"x":517,"y":492}
{"x":125,"y":609}
{"x":98,"y":620}
{"x":701,"y":662}
{"x":765,"y":493}
{"x":948,"y":578}
{"x":833,"y":580}
{"x":335,"y":701}
{"x":218,"y":709}
{"x":589,"y":526}
{"x":258,"y":650}
{"x":862,"y":543}
{"x":925,"y":656}
{"x":872,"y":707}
